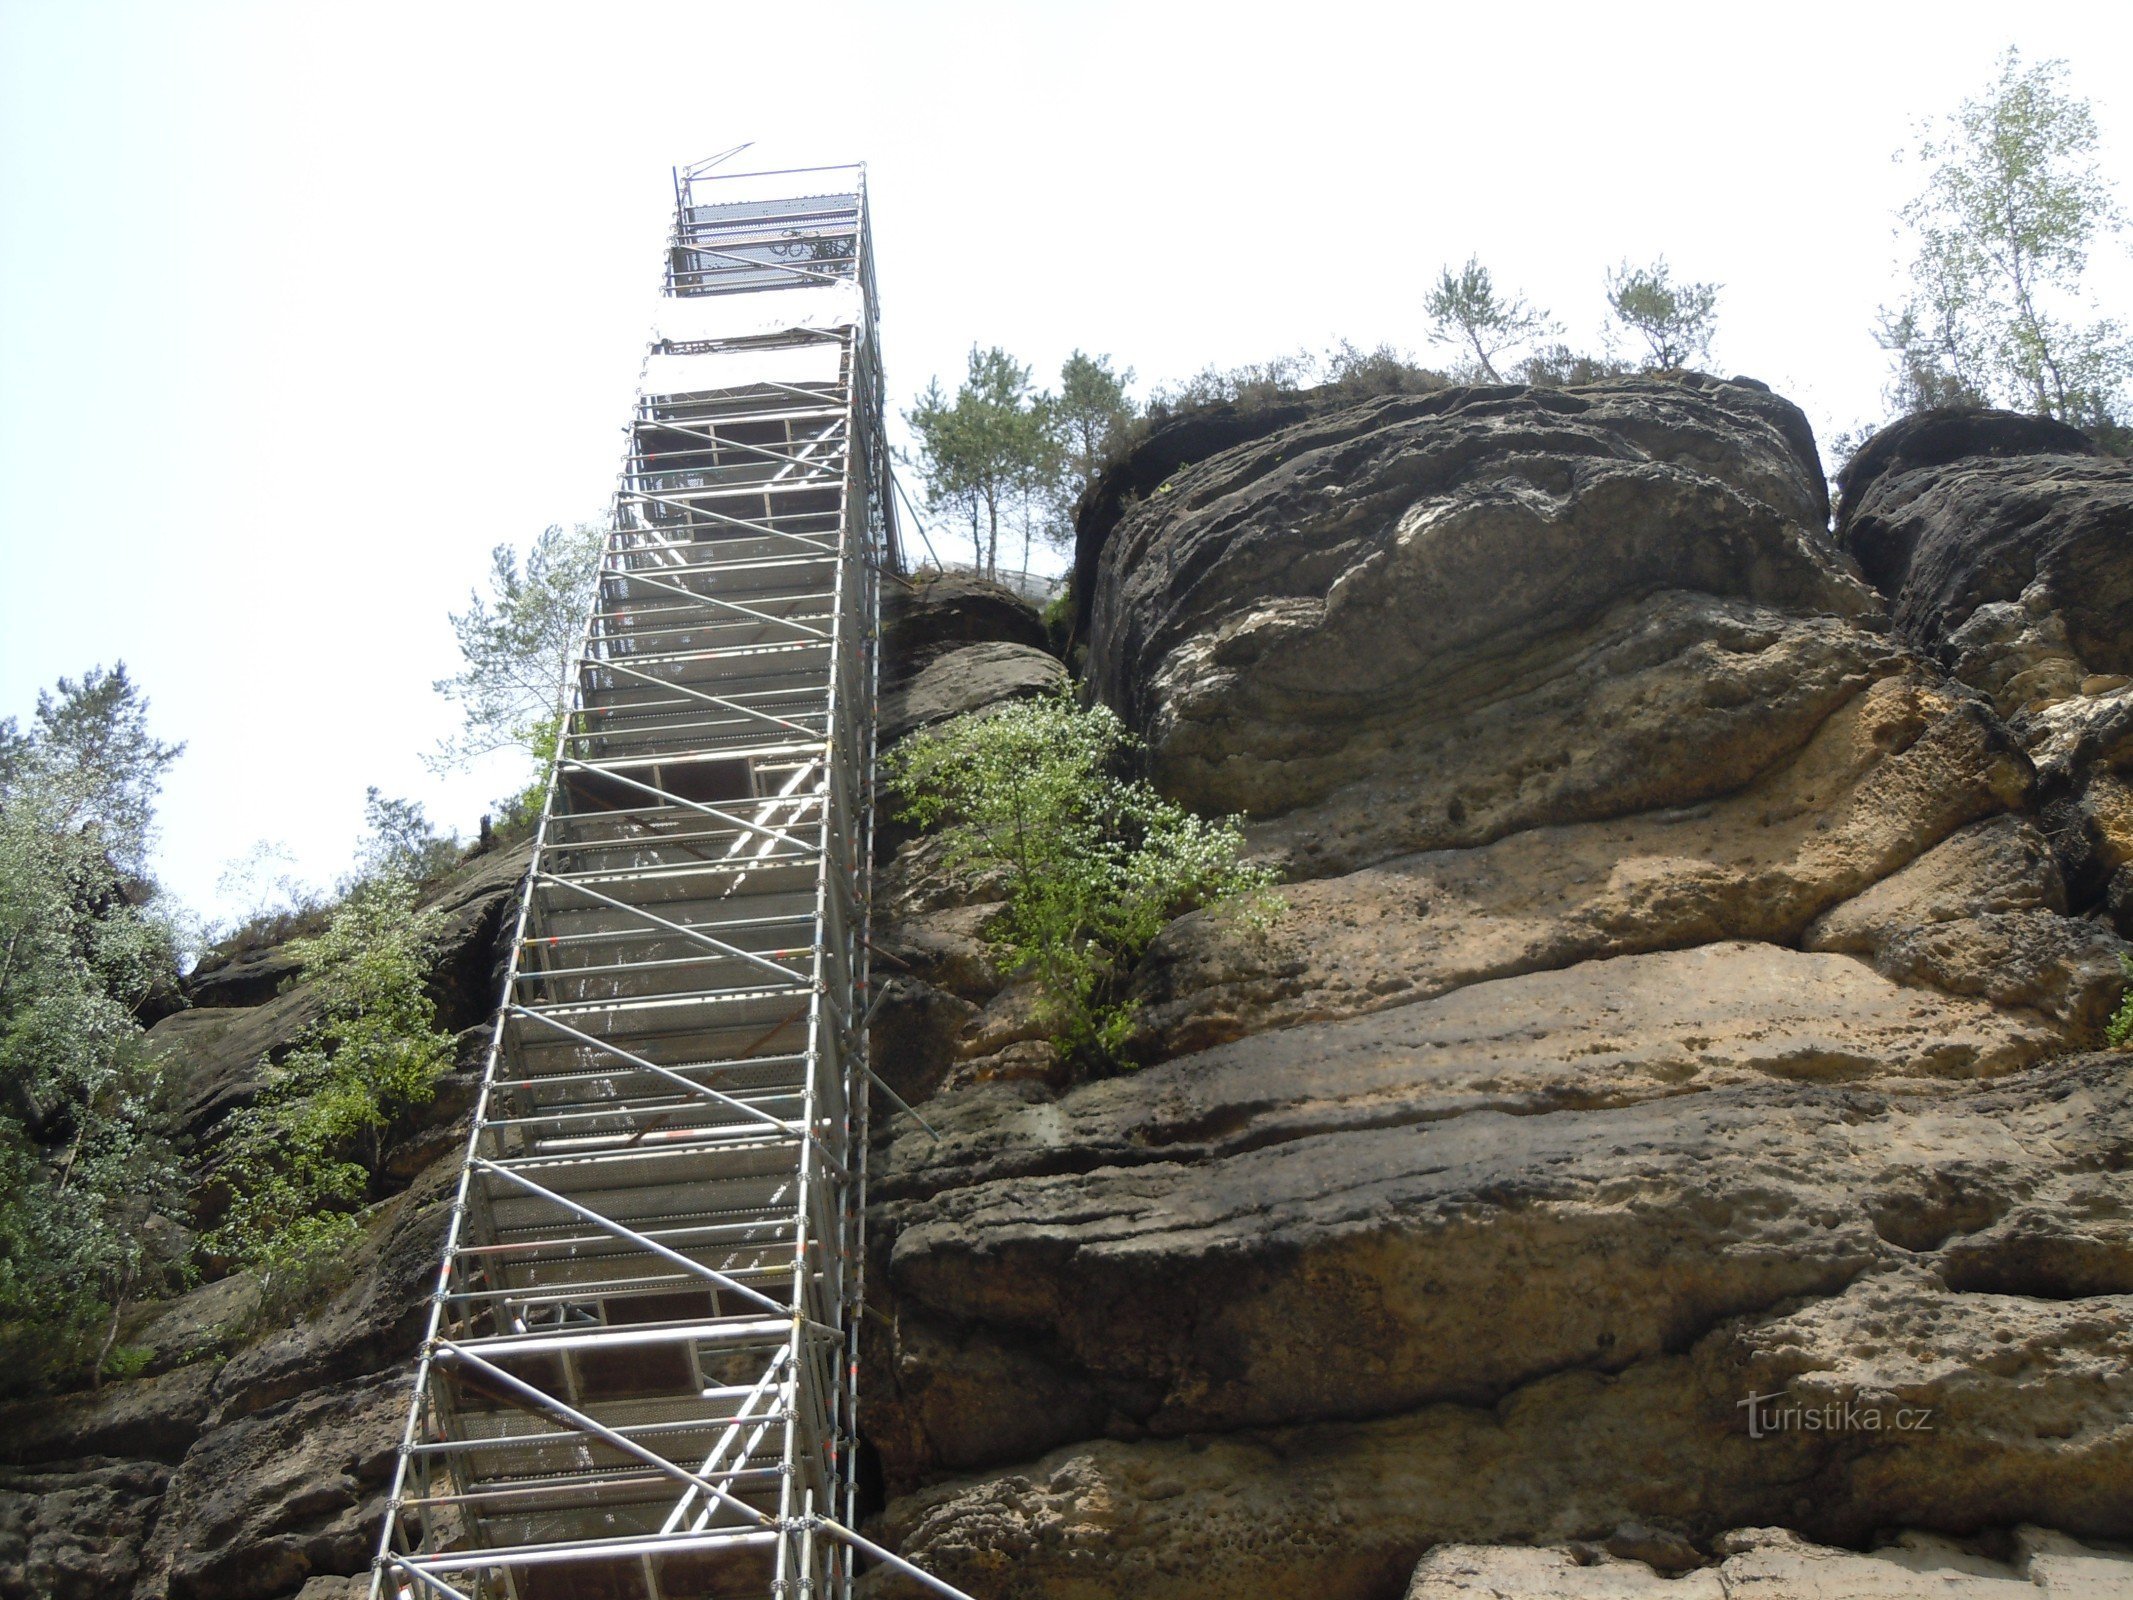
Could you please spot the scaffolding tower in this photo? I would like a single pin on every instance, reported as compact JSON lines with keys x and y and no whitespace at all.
{"x":639,"y":1378}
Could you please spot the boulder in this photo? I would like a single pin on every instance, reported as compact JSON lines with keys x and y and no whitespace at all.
{"x":1449,"y":592}
{"x":930,"y":613}
{"x":968,"y":678}
{"x":76,"y":1532}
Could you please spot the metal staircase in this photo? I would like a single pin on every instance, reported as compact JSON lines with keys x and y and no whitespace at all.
{"x":639,"y":1380}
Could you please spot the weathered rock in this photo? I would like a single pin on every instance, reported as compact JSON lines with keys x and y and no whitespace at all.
{"x":1962,"y":1412}
{"x":250,"y":979}
{"x":155,"y":1419}
{"x":203,"y":1324}
{"x":2001,"y":865}
{"x":1329,"y":1247}
{"x":2000,"y":541}
{"x":75,"y":1533}
{"x":1892,"y":773}
{"x":962,"y":680}
{"x":370,"y":1325}
{"x":1599,"y":1034}
{"x":2005,"y":546}
{"x":1934,"y":438}
{"x":912,"y":1043}
{"x":266,"y":1501}
{"x":1773,"y":1564}
{"x":1983,"y":914}
{"x":474,"y":908}
{"x":1694,"y":697}
{"x":1171,"y":444}
{"x":1307,"y":611}
{"x":931,"y":613}
{"x":218,"y":1055}
{"x":1512,"y":1169}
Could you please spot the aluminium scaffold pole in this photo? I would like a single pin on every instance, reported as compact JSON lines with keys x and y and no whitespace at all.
{"x":639,"y":1379}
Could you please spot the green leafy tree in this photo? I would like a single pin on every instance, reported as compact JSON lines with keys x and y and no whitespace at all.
{"x":520,"y":643}
{"x":1092,"y":414}
{"x":1467,"y":313}
{"x":2013,"y":203}
{"x":1675,"y":320}
{"x":86,"y":1174}
{"x":88,"y":752}
{"x":297,"y":1162}
{"x":988,"y":452}
{"x":1091,"y":864}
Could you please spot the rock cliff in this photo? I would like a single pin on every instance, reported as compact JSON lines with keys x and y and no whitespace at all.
{"x":1663,"y":1146}
{"x":1678,"y":1023}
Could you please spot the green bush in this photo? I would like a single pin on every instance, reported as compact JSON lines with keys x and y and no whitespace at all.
{"x":297,"y":1162}
{"x":2118,"y":1032}
{"x":126,"y":1362}
{"x":1092,"y":864}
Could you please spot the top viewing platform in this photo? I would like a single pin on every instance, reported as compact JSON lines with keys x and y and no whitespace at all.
{"x":740,"y":232}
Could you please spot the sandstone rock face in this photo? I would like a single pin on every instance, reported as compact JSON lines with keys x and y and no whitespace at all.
{"x":1652,"y":1147}
{"x":1330,"y":1253}
{"x":2000,"y":543}
{"x":1401,"y":616}
{"x":1893,"y":771}
{"x":953,"y":643}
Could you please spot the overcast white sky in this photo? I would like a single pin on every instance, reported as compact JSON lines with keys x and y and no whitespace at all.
{"x":305,"y":306}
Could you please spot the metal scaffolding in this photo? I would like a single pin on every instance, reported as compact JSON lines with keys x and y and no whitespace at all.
{"x":639,"y":1379}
